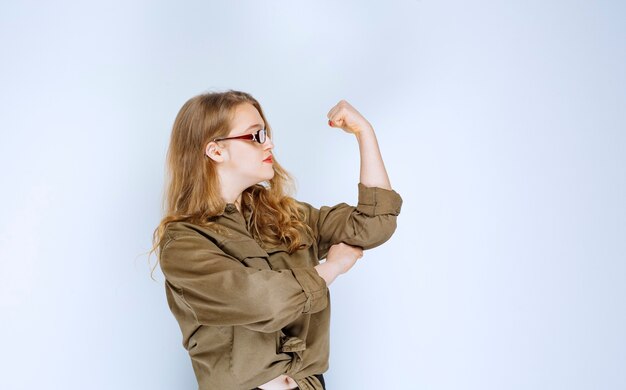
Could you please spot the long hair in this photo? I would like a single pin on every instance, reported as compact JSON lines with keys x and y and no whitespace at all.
{"x":192,"y":192}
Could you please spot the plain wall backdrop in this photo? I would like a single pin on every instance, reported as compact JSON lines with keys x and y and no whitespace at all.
{"x":502,"y":125}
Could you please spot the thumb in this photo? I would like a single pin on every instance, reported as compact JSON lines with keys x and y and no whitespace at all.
{"x":335,"y":123}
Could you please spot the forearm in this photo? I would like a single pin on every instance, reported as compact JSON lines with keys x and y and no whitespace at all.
{"x":373,"y":172}
{"x":328,"y":271}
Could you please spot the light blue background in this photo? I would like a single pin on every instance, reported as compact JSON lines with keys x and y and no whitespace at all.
{"x":502,"y":124}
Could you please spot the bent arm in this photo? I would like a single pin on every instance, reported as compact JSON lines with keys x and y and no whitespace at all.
{"x":373,"y":221}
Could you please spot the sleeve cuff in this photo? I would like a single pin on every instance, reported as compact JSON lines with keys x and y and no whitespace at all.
{"x":377,"y":201}
{"x":314,"y":288}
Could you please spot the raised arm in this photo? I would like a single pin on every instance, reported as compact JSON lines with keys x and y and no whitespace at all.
{"x":346,"y":117}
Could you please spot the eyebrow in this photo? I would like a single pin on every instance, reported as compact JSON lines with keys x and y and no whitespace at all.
{"x":253,"y":126}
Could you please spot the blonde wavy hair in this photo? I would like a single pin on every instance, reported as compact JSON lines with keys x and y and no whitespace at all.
{"x":192,"y":192}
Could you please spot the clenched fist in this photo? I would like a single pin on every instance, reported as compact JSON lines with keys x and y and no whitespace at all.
{"x":346,"y":117}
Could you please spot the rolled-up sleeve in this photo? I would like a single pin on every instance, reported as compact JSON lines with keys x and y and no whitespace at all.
{"x":316,"y":292}
{"x":369,"y":224}
{"x":220,"y":290}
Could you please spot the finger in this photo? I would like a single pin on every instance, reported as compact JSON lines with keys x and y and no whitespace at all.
{"x":334,"y":113}
{"x":331,"y":112}
{"x":337,"y":122}
{"x":332,"y":120}
{"x":339,"y":118}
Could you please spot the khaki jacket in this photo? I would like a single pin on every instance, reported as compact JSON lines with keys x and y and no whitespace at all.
{"x":248,"y":312}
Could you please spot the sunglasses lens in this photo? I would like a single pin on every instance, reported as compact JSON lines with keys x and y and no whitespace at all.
{"x":261,"y":136}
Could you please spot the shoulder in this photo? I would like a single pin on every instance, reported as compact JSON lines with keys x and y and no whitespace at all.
{"x":180,"y":231}
{"x":178,"y":228}
{"x":186,"y":246}
{"x":182,"y":228}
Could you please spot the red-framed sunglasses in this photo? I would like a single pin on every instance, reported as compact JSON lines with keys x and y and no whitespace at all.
{"x":259,"y":136}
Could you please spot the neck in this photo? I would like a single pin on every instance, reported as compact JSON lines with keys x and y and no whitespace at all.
{"x":232,"y":185}
{"x":231,"y":192}
{"x":232,"y":197}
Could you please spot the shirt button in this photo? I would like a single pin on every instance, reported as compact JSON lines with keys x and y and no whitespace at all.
{"x":230,"y":207}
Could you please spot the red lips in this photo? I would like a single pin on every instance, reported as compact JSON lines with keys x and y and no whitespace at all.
{"x":269,"y":159}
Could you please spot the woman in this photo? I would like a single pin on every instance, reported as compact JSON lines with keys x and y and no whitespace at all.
{"x":241,"y":258}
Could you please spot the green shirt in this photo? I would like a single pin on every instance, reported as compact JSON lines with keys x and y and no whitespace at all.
{"x":248,"y":312}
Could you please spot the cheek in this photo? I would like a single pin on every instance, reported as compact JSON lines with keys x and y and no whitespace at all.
{"x":250,"y":162}
{"x":240,"y":157}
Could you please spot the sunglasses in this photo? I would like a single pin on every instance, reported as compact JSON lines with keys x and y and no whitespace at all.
{"x":259,"y":136}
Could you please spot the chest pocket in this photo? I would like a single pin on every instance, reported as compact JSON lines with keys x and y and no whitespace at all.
{"x":248,"y":252}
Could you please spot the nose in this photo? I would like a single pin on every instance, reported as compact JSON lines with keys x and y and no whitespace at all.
{"x":268,"y":144}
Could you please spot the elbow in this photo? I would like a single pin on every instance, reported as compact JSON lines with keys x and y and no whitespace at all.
{"x":374,"y":232}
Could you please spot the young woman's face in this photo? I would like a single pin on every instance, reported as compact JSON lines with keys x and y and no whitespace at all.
{"x":249,"y":161}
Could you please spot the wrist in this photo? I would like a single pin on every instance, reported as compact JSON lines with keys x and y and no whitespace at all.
{"x":365,"y":133}
{"x":328,"y":271}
